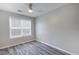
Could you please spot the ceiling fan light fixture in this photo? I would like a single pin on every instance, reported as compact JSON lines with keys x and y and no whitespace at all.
{"x":30,"y":8}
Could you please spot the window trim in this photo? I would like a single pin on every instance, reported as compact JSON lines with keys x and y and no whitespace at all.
{"x":22,"y":35}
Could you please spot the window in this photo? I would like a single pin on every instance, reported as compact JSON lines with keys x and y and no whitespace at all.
{"x":19,"y":27}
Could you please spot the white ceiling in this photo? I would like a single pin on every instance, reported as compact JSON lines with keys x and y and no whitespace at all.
{"x":38,"y":8}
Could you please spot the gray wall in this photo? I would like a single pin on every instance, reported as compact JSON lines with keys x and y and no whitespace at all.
{"x":5,"y":41}
{"x":60,"y":28}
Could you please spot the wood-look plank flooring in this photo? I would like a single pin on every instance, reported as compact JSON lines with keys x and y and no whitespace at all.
{"x":32,"y":48}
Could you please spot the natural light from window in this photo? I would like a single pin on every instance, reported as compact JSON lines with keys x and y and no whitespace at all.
{"x":19,"y":27}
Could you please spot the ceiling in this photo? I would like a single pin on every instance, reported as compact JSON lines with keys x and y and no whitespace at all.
{"x":38,"y":8}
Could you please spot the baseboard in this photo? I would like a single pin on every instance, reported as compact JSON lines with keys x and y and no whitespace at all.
{"x":58,"y":48}
{"x":15,"y":44}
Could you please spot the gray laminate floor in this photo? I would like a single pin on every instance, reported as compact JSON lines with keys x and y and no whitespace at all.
{"x":32,"y":48}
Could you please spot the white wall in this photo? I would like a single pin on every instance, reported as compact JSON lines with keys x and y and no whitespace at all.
{"x":60,"y":28}
{"x":5,"y":41}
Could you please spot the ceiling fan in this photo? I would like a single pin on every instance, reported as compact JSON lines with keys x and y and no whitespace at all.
{"x":30,"y":8}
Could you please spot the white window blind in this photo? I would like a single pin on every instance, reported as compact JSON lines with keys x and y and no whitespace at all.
{"x":19,"y":27}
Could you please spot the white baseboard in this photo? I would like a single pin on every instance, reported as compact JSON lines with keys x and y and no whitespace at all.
{"x":58,"y":48}
{"x":4,"y":47}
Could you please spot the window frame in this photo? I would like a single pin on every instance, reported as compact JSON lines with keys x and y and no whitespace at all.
{"x":21,"y":28}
